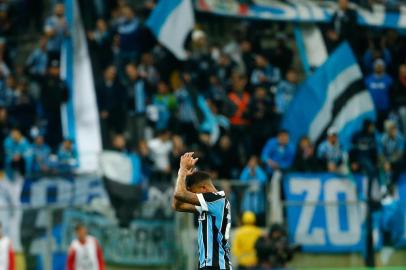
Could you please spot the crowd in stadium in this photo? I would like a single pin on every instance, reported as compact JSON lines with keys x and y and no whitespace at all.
{"x":225,"y":102}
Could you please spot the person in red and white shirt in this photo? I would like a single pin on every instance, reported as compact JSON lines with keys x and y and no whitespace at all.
{"x":84,"y":252}
{"x":7,"y":260}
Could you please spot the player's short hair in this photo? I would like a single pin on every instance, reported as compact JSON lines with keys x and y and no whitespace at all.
{"x":196,"y":178}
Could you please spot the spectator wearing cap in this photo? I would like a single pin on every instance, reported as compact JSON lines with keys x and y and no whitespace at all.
{"x":391,"y":149}
{"x":330,"y":153}
{"x":67,"y":157}
{"x":376,"y":50}
{"x":243,"y":245}
{"x":56,"y":29}
{"x":264,"y":72}
{"x":53,"y":94}
{"x":278,"y":153}
{"x":17,"y":154}
{"x":379,"y":85}
{"x":41,"y":153}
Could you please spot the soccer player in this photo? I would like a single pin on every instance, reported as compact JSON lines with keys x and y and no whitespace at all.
{"x":195,"y":193}
{"x":84,"y":252}
{"x":7,"y":260}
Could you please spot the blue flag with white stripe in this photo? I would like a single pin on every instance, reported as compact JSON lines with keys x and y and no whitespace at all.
{"x":334,"y":96}
{"x":171,"y":21}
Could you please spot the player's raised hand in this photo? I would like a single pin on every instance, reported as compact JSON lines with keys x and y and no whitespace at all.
{"x":188,"y":162}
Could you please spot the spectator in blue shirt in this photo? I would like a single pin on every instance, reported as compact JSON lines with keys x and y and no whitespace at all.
{"x":254,"y":196}
{"x":40,"y":155}
{"x":17,"y":154}
{"x":56,"y":29}
{"x":278,"y":152}
{"x":330,"y":153}
{"x":37,"y":62}
{"x":128,"y":30}
{"x":67,"y":157}
{"x":286,"y":90}
{"x":391,"y":150}
{"x":264,"y":72}
{"x":379,"y":85}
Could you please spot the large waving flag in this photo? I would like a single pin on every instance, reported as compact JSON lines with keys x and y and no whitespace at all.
{"x":171,"y":21}
{"x":333,"y":96}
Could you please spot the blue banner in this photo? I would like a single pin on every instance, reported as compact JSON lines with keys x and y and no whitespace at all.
{"x":325,"y":215}
{"x":304,"y":11}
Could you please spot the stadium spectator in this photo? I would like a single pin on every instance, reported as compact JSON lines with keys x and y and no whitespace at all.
{"x":128,"y":31}
{"x":147,"y":69}
{"x":187,"y":115}
{"x":100,"y":45}
{"x":278,"y":153}
{"x":4,"y":131}
{"x":305,"y":158}
{"x":399,"y":96}
{"x":261,"y":113}
{"x":165,"y":103}
{"x":119,"y":143}
{"x":243,"y":245}
{"x":391,"y":151}
{"x":253,"y":198}
{"x":343,"y":26}
{"x":240,"y":99}
{"x":286,"y":91}
{"x":22,"y":110}
{"x":8,"y":91}
{"x":41,"y":154}
{"x":282,"y":55}
{"x":53,"y":94}
{"x":56,"y":29}
{"x":229,"y":162}
{"x":17,"y":154}
{"x":84,"y":251}
{"x":264,"y":72}
{"x":364,"y":153}
{"x":67,"y":157}
{"x":224,"y":68}
{"x":37,"y":62}
{"x":379,"y":85}
{"x":137,"y":89}
{"x":7,"y":261}
{"x":160,"y":148}
{"x":376,"y":51}
{"x":112,"y":102}
{"x":330,"y":153}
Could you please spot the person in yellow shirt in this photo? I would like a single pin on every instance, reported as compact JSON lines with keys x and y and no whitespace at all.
{"x":243,"y":246}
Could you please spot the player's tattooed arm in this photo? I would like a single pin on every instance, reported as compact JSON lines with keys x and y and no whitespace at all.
{"x":184,"y":200}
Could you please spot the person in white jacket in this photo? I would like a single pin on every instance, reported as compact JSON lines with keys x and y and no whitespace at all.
{"x":84,"y":252}
{"x":7,"y":259}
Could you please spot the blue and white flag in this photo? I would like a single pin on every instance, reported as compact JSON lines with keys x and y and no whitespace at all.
{"x":334,"y":96}
{"x":171,"y":21}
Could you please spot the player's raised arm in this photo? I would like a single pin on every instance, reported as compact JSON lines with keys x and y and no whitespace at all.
{"x":183,"y":199}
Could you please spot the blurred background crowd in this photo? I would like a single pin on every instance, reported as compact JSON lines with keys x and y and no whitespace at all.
{"x":153,"y":105}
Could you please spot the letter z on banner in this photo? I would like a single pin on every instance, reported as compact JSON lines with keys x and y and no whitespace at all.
{"x":323,"y":212}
